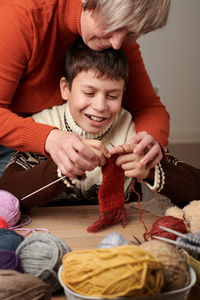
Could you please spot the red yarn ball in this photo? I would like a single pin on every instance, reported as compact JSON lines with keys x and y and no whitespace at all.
{"x":3,"y":224}
{"x":169,"y":222}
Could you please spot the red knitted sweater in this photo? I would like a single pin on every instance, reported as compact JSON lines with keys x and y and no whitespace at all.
{"x":35,"y":35}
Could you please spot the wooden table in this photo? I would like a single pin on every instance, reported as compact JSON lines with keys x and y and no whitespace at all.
{"x":70,"y":223}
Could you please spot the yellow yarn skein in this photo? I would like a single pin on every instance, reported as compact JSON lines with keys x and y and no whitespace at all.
{"x":113,"y":272}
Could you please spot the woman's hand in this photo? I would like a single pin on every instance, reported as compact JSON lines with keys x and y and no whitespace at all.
{"x":146,"y":142}
{"x":99,"y":149}
{"x":129,"y":161}
{"x":72,"y":156}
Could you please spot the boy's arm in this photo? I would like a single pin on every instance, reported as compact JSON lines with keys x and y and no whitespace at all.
{"x":176,"y":180}
{"x":26,"y":173}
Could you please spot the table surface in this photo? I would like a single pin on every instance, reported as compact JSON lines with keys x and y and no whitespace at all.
{"x":70,"y":224}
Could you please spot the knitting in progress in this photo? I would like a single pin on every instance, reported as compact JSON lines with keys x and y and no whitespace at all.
{"x":110,"y":196}
{"x":113,"y":272}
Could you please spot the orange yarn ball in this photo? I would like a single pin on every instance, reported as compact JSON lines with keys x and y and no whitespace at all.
{"x":3,"y":224}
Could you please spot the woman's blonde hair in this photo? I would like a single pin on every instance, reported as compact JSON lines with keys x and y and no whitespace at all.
{"x":136,"y":16}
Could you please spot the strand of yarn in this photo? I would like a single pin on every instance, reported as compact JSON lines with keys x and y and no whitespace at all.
{"x":140,"y":207}
{"x":112,"y":272}
{"x":15,"y":285}
{"x":176,"y":274}
{"x":41,"y":255}
{"x":168,"y":222}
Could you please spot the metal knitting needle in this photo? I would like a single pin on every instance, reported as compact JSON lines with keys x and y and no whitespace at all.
{"x":42,"y":188}
{"x":164,"y":239}
{"x":172,"y":231}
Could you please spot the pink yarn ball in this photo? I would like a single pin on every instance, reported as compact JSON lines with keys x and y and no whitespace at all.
{"x":9,"y":208}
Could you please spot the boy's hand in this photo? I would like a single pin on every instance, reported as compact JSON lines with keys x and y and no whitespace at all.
{"x":147,"y":142}
{"x":129,"y":161}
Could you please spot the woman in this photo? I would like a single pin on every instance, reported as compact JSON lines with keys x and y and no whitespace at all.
{"x":34,"y":38}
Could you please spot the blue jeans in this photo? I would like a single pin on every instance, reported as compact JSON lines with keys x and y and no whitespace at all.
{"x":5,"y":156}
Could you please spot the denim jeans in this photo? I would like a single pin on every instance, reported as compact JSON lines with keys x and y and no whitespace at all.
{"x":5,"y":156}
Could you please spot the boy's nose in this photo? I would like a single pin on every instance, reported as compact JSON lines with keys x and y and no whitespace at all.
{"x":99,"y":104}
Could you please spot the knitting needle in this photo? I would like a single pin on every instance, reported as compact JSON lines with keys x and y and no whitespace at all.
{"x":42,"y":188}
{"x":172,"y":231}
{"x":111,"y":143}
{"x":164,"y":239}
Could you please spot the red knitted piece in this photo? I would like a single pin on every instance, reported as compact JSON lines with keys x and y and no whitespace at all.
{"x":110,"y":196}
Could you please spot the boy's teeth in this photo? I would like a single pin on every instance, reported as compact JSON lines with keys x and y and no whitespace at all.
{"x":96,"y":119}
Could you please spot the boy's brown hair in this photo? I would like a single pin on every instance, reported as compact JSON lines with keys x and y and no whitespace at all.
{"x":110,"y":63}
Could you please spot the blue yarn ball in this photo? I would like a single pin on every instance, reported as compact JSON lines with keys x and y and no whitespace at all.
{"x":9,"y":239}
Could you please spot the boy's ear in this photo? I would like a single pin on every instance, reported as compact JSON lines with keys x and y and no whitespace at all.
{"x":64,"y":88}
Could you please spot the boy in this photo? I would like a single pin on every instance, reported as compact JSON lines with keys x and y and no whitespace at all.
{"x":93,"y":87}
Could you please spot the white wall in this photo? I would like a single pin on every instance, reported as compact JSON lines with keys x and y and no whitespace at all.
{"x":172,"y":59}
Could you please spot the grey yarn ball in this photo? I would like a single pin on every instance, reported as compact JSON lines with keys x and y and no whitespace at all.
{"x":41,"y":255}
{"x":111,"y":240}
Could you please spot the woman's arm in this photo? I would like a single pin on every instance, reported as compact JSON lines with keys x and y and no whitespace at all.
{"x":141,"y":100}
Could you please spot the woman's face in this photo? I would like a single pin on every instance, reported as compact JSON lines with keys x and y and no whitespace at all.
{"x":95,"y":37}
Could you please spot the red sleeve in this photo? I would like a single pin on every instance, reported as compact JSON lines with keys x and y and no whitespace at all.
{"x":140,"y":99}
{"x":17,"y":41}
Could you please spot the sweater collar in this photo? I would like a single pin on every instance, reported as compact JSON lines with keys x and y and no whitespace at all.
{"x":69,"y":16}
{"x":72,"y":126}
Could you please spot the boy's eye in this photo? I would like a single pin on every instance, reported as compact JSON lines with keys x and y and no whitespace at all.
{"x":89,"y":93}
{"x":112,"y":96}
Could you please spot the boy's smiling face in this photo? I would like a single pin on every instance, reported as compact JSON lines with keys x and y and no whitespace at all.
{"x":94,"y":101}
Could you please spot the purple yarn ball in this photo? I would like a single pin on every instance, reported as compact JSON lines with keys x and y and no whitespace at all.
{"x":9,"y":260}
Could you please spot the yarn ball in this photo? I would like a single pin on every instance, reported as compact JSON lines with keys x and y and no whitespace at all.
{"x":41,"y":255}
{"x":9,"y":260}
{"x":112,"y":272}
{"x":169,"y":222}
{"x":9,"y":208}
{"x":3,"y":223}
{"x":113,"y":239}
{"x":15,"y":285}
{"x":176,"y":274}
{"x":10,"y":239}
